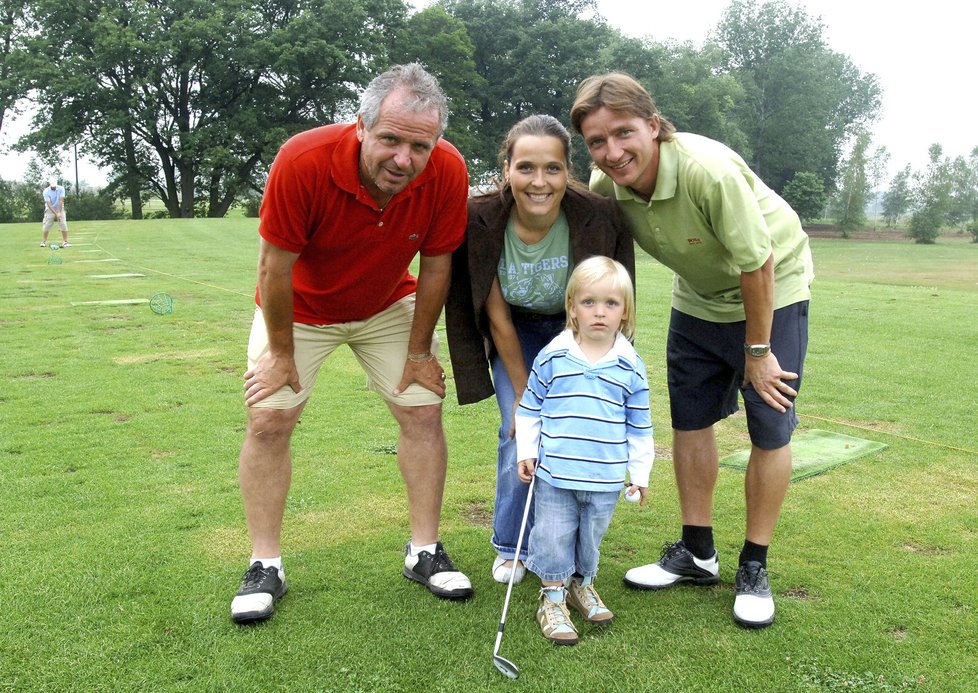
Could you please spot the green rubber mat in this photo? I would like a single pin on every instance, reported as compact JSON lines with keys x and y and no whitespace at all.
{"x":814,"y":451}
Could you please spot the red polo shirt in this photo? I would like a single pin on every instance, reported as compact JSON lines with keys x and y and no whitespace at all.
{"x":353,"y":257}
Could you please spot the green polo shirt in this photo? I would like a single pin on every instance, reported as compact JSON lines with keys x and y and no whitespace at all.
{"x":711,"y":218}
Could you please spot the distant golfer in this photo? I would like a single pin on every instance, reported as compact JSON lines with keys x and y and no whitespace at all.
{"x":739,"y":318}
{"x":54,"y":210}
{"x":346,"y":209}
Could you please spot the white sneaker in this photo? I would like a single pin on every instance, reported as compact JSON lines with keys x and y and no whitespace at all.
{"x":501,"y":573}
{"x":66,"y":244}
{"x":754,"y":604}
{"x":676,"y":565}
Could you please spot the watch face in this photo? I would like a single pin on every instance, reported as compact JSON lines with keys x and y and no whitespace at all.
{"x":758,"y":350}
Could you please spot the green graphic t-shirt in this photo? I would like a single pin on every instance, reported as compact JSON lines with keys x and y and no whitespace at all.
{"x":534,"y":277}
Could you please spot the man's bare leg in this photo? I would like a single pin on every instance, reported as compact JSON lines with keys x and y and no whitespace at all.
{"x":422,"y":456}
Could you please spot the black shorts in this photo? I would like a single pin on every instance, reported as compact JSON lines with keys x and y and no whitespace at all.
{"x":706,"y":369}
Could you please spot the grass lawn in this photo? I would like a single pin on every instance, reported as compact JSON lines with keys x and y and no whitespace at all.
{"x":123,"y":539}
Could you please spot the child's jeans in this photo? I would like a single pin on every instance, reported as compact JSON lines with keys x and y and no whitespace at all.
{"x":567,"y":531}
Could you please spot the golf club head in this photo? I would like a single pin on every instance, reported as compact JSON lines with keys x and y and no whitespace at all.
{"x":506,"y":666}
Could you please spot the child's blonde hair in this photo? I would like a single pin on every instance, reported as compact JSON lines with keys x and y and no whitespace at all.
{"x":594,"y":269}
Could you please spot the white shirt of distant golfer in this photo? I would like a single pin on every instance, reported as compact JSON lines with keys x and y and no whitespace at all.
{"x":54,"y":197}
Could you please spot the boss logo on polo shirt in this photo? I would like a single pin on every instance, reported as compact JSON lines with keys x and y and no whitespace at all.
{"x":694,"y":241}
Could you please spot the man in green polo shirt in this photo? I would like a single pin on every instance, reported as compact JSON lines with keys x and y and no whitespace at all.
{"x":739,"y":318}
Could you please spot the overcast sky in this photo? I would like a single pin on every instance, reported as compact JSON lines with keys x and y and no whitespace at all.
{"x":922,"y":53}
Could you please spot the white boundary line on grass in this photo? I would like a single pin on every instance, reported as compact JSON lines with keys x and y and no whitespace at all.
{"x":117,"y":302}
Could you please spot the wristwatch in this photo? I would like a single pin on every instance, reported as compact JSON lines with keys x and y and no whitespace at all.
{"x":757,"y":350}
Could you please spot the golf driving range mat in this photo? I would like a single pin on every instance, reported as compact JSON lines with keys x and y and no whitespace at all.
{"x":814,"y":451}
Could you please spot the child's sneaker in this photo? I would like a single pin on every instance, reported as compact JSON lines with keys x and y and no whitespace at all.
{"x":584,"y":598}
{"x":554,"y":619}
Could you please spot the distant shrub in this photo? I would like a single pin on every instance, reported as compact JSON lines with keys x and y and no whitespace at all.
{"x":972,"y":228}
{"x":925,"y":225}
{"x":6,"y":202}
{"x":251,"y":205}
{"x":805,"y":192}
{"x":20,"y":202}
{"x":89,"y":205}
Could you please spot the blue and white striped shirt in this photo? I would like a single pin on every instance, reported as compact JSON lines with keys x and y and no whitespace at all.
{"x":587,"y":423}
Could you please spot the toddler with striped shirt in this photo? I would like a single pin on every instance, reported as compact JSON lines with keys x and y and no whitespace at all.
{"x":582,"y":424}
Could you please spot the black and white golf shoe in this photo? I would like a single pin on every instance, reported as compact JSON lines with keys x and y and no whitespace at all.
{"x":260,"y":588}
{"x":436,"y":572}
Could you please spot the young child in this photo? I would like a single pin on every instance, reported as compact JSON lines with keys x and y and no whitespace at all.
{"x":585,"y":417}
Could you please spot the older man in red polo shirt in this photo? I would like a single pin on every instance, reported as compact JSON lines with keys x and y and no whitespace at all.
{"x":346,"y":209}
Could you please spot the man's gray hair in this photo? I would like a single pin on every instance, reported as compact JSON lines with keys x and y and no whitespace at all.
{"x":424,"y":89}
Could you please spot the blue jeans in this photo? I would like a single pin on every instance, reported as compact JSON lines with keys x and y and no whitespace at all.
{"x":507,"y":514}
{"x":569,"y":527}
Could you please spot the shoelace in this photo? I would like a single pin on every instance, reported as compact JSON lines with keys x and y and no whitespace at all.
{"x":670,"y":551}
{"x":554,"y":613}
{"x":590,"y":596}
{"x":749,"y":579}
{"x":441,"y":563}
{"x":254,"y":576}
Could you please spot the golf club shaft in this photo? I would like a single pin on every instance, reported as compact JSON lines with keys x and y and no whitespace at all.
{"x":516,"y":557}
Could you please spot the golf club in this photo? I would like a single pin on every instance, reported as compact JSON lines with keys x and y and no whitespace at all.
{"x":501,"y":663}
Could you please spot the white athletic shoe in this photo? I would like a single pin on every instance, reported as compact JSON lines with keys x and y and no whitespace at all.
{"x":501,"y":573}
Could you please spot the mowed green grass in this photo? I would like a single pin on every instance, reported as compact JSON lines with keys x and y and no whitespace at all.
{"x":123,"y":538}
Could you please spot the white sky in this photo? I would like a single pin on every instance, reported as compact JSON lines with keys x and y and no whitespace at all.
{"x":923,"y":55}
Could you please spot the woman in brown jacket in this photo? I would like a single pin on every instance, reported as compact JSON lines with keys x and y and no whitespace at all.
{"x":507,"y":295}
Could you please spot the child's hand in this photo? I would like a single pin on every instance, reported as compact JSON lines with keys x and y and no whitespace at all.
{"x":643,"y":493}
{"x":527,"y":469}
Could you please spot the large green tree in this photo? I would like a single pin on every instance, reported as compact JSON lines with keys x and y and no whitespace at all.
{"x":190,"y":99}
{"x":442,"y":44}
{"x":530,"y":56}
{"x":685,"y":84}
{"x":803,"y":100}
{"x":13,"y":31}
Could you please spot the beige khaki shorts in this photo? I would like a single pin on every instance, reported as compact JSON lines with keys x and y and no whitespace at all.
{"x":379,"y":343}
{"x":49,"y":220}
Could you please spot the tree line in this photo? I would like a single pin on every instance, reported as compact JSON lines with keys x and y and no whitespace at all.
{"x":189,"y":100}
